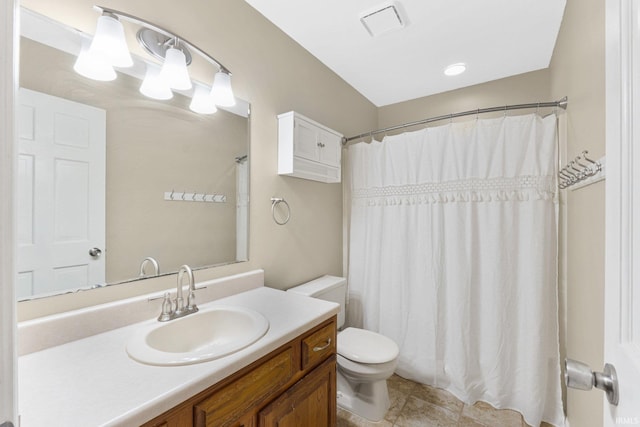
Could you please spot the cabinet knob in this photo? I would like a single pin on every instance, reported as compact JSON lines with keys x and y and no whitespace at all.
{"x":320,"y":144}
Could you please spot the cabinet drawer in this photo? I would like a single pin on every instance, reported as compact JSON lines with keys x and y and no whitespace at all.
{"x":229,"y":403}
{"x":319,"y":345}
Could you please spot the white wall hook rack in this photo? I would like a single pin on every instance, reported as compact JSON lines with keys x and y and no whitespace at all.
{"x":177,"y":196}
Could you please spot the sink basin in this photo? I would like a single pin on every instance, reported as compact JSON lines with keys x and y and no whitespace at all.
{"x":206,"y":335}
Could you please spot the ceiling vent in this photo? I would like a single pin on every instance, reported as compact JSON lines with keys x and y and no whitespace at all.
{"x":383,"y":19}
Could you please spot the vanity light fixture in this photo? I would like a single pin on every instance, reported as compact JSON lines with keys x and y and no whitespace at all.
{"x":109,"y":41}
{"x":202,"y":101}
{"x":221,"y":91}
{"x":93,"y":66}
{"x":153,"y":86}
{"x":175,"y":53}
{"x":174,"y":70}
{"x":455,"y":69}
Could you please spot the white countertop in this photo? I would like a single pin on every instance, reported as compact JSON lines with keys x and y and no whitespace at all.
{"x":93,"y":382}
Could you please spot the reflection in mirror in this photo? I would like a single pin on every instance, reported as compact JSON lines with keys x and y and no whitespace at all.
{"x":109,"y":178}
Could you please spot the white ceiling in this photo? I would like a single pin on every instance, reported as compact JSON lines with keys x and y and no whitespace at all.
{"x":495,"y":38}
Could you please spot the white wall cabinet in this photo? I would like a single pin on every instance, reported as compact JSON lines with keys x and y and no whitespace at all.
{"x":307,"y":149}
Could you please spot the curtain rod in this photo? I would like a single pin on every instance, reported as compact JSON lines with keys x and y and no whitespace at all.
{"x":562,"y":103}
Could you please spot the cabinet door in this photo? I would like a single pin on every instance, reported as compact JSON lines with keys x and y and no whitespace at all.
{"x":305,"y":139}
{"x":330,"y":148}
{"x":311,"y":402}
{"x":233,"y":404}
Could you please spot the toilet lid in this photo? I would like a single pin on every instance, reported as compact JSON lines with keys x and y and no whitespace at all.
{"x":365,"y":346}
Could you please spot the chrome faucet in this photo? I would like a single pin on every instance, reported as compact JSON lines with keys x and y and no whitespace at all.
{"x":180,"y":310}
{"x":153,"y":262}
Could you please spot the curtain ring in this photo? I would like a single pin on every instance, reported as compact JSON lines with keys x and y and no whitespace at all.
{"x":275,"y":201}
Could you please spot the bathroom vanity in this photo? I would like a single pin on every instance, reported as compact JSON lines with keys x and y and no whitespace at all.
{"x":292,"y":384}
{"x":285,"y":378}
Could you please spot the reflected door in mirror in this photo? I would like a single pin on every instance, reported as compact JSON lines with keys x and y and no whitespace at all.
{"x":61,"y":197}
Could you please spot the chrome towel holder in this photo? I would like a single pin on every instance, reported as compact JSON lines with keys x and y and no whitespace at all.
{"x":579,"y":169}
{"x":275,"y":201}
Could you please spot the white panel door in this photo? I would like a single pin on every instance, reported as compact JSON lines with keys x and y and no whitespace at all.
{"x":622,"y":286}
{"x":61,"y":196}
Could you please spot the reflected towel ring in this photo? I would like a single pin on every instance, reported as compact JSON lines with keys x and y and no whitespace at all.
{"x":275,"y":201}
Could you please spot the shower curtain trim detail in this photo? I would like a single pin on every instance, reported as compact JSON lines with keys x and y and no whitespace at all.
{"x":468,"y":190}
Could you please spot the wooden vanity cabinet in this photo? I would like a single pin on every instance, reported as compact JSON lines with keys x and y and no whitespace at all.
{"x":295,"y":385}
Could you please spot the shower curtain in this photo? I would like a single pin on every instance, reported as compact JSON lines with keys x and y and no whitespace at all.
{"x":452,"y":254}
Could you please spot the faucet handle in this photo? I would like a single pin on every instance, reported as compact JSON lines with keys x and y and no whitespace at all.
{"x":191,"y":302}
{"x":167,"y":308}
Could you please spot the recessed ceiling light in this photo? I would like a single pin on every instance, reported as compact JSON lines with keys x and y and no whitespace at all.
{"x":455,"y":69}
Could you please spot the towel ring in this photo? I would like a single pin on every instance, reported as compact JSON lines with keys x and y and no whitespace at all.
{"x":275,"y":201}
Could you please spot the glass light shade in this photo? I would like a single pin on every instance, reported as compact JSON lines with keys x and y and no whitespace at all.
{"x":221,"y":91}
{"x":93,"y":66}
{"x":202,"y":102}
{"x":110,"y":43}
{"x":174,"y":70}
{"x":153,"y":86}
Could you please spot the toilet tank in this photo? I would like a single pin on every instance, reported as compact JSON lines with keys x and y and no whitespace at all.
{"x":328,"y":288}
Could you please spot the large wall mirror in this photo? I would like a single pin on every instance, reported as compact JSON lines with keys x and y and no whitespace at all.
{"x":111,"y":181}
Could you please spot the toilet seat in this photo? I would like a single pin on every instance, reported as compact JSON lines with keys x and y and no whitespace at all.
{"x":362,"y":346}
{"x":366,"y":371}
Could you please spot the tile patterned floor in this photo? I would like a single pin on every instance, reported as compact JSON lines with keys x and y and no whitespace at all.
{"x":418,"y":405}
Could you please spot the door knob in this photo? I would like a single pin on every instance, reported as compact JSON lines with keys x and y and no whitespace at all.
{"x":580,"y":376}
{"x":95,"y":252}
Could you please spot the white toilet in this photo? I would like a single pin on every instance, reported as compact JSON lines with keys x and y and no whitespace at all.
{"x":365,"y":359}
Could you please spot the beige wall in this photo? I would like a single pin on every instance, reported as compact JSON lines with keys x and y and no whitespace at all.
{"x":275,"y":75}
{"x":578,"y":71}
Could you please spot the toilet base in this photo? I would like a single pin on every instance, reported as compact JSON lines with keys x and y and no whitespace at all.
{"x":369,"y":400}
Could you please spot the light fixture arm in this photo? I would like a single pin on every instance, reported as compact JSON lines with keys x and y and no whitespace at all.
{"x":154,"y":27}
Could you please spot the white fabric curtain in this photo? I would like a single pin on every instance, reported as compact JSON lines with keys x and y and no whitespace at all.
{"x":453,"y":255}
